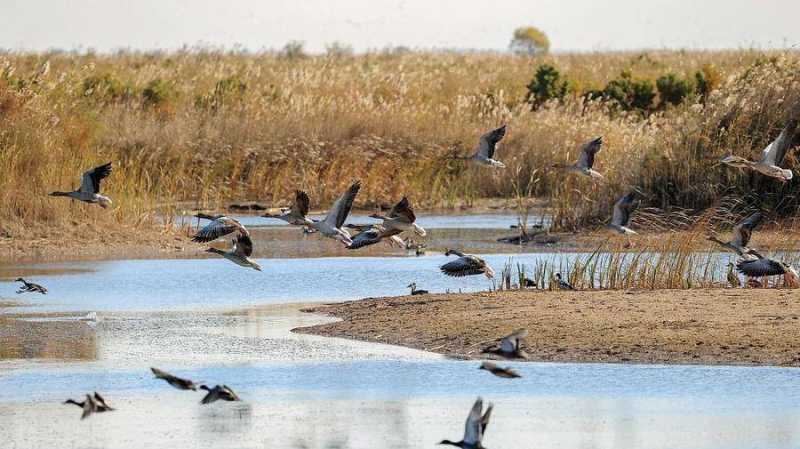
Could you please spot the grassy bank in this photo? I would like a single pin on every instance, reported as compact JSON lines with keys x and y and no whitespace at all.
{"x":211,"y":127}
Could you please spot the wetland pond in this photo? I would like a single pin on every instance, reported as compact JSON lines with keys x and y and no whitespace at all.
{"x":103,"y":324}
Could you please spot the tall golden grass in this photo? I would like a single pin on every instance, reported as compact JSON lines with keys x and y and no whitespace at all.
{"x":210,"y":127}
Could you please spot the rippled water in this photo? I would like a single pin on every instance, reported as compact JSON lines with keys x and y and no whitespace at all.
{"x":200,"y":318}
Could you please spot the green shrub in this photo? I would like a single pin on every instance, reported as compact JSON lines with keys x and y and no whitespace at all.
{"x":106,"y":87}
{"x":294,"y":50}
{"x":157,"y":92}
{"x":672,"y":90}
{"x":706,"y":80}
{"x":225,"y":91}
{"x":629,"y":93}
{"x":547,"y":84}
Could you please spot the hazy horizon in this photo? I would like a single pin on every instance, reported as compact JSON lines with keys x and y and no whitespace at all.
{"x":572,"y":25}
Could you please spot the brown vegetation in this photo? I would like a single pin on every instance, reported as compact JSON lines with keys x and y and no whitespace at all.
{"x":210,"y":127}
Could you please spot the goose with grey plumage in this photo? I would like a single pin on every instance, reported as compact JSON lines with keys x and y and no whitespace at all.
{"x":586,"y":160}
{"x":506,"y":373}
{"x":90,"y":405}
{"x":401,"y":218}
{"x":474,"y":428}
{"x":331,"y":225}
{"x":756,"y":268}
{"x":30,"y":287}
{"x":89,"y":191}
{"x":740,"y":237}
{"x":772,"y":156}
{"x":487,"y":145}
{"x":239,"y":253}
{"x":296,"y":214}
{"x":510,"y":346}
{"x":218,"y":393}
{"x":219,"y":226}
{"x":466,"y":265}
{"x":621,"y":216}
{"x":175,"y":381}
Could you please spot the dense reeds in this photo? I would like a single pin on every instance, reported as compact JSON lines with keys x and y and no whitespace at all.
{"x":678,"y":261}
{"x":211,"y":127}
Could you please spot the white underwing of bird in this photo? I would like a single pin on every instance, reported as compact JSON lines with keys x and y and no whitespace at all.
{"x":89,"y":191}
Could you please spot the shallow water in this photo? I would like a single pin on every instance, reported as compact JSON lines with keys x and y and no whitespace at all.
{"x":206,"y":319}
{"x":313,"y":392}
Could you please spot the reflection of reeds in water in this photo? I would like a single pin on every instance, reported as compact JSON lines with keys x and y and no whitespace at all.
{"x":65,"y":340}
{"x":677,"y":262}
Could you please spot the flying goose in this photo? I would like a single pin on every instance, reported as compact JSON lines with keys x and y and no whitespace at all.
{"x":373,"y":235}
{"x":466,"y":265}
{"x":486,"y":148}
{"x":89,"y":191}
{"x":30,"y":287}
{"x":92,"y":404}
{"x":401,"y":218}
{"x":240,"y":252}
{"x":474,"y":428}
{"x":331,"y":225}
{"x":507,"y":373}
{"x":296,"y":214}
{"x":767,"y":267}
{"x":219,"y":392}
{"x":772,"y":156}
{"x":510,"y":346}
{"x":220,"y":226}
{"x":177,"y":382}
{"x":741,"y":236}
{"x":562,"y":284}
{"x":414,"y":291}
{"x":621,"y":217}
{"x":586,"y":159}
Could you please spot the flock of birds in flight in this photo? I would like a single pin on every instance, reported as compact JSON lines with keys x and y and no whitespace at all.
{"x":401,"y":218}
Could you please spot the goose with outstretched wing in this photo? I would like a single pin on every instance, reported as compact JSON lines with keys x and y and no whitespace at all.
{"x":585,"y":163}
{"x":474,"y":428}
{"x":89,"y":191}
{"x":331,"y":225}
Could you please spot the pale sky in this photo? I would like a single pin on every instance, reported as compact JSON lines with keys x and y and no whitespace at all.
{"x":370,"y":24}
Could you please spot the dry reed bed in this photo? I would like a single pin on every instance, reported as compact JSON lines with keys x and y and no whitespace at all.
{"x":212,"y":127}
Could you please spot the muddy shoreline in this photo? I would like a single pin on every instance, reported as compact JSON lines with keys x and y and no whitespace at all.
{"x":711,"y":327}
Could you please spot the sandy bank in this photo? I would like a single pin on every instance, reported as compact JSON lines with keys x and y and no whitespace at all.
{"x":720,"y":326}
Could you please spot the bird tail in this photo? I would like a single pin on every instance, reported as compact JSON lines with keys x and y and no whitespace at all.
{"x":59,"y":193}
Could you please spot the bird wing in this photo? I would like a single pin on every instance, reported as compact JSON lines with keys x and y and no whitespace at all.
{"x":511,"y":342}
{"x":161,"y":374}
{"x":760,"y":267}
{"x":463,"y":266}
{"x":219,"y":227}
{"x":90,"y":181}
{"x":229,"y":391}
{"x":243,"y":246}
{"x":300,"y":205}
{"x":403,"y":210}
{"x":589,"y":149}
{"x":89,"y":407}
{"x":488,"y":141}
{"x":486,"y":417}
{"x":211,"y":396}
{"x":100,"y":401}
{"x":369,"y":237}
{"x":774,"y":153}
{"x":473,"y":428}
{"x":744,"y":229}
{"x":622,"y":210}
{"x":341,"y":207}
